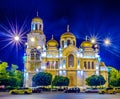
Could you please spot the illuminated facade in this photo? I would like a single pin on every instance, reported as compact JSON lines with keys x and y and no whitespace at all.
{"x":67,"y":60}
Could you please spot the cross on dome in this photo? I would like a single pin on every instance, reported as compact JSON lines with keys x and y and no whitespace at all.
{"x":52,"y":36}
{"x":68,"y":28}
{"x":86,"y":38}
{"x":37,"y":13}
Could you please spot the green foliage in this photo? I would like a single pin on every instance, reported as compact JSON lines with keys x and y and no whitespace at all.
{"x":95,"y":80}
{"x":60,"y":81}
{"x":101,"y":80}
{"x":12,"y":77}
{"x":113,"y":77}
{"x":42,"y":79}
{"x":3,"y":68}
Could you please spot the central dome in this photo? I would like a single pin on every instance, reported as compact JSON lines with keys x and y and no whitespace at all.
{"x":86,"y":44}
{"x":67,"y":34}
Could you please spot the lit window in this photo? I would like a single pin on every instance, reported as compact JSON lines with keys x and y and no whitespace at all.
{"x":92,"y":65}
{"x":63,"y":44}
{"x":73,"y":42}
{"x":35,"y":26}
{"x":88,"y":65}
{"x":68,"y":42}
{"x":85,"y":65}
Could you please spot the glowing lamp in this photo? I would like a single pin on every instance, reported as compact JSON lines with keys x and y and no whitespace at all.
{"x":32,"y":39}
{"x":93,"y":40}
{"x":39,"y":47}
{"x":107,"y":42}
{"x":16,"y":38}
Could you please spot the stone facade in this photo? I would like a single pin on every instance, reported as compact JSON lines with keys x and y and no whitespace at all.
{"x":67,"y":60}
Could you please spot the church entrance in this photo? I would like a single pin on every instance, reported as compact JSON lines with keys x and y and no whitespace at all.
{"x":72,"y":77}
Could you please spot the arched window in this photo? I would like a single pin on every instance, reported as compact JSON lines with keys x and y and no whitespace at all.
{"x":78,"y":63}
{"x":74,"y":43}
{"x":68,"y":42}
{"x":32,"y":54}
{"x":38,"y":56}
{"x":70,"y":60}
{"x":92,"y":65}
{"x":52,"y":65}
{"x":85,"y":65}
{"x":40,"y":26}
{"x":48,"y":65}
{"x":56,"y":65}
{"x":63,"y":44}
{"x":88,"y":65}
{"x":35,"y":26}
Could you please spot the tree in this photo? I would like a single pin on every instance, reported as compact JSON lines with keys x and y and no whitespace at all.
{"x":101,"y":80}
{"x":113,"y":77}
{"x":95,"y":80}
{"x":3,"y":71}
{"x":42,"y":79}
{"x":10,"y":77}
{"x":118,"y":82}
{"x":12,"y":82}
{"x":16,"y":75}
{"x":60,"y":81}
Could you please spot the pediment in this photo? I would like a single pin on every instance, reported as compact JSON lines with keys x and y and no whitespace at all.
{"x":70,"y":50}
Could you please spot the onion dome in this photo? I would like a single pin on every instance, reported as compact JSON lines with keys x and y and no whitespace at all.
{"x":86,"y":44}
{"x":37,"y":19}
{"x":37,"y":25}
{"x":67,"y":34}
{"x":52,"y":43}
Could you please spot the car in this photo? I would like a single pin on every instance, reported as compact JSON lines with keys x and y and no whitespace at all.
{"x":2,"y":88}
{"x":117,"y":89}
{"x":92,"y":90}
{"x":21,"y":91}
{"x":108,"y":91}
{"x":36,"y":90}
{"x":72,"y":90}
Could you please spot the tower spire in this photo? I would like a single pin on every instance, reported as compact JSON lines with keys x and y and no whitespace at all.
{"x":37,"y":13}
{"x":68,"y":28}
{"x":52,"y":37}
{"x":86,"y":38}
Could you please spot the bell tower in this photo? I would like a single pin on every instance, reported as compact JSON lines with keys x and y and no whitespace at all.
{"x":36,"y":41}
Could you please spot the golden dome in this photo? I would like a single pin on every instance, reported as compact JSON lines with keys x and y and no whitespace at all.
{"x":52,"y":43}
{"x":37,"y":19}
{"x":86,"y":44}
{"x":67,"y":34}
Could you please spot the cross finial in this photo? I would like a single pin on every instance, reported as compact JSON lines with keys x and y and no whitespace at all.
{"x":68,"y":28}
{"x":86,"y":38}
{"x":52,"y":37}
{"x":37,"y":13}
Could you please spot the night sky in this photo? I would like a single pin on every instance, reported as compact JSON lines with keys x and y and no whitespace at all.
{"x":85,"y":17}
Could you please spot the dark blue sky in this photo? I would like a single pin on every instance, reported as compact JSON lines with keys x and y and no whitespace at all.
{"x":85,"y":17}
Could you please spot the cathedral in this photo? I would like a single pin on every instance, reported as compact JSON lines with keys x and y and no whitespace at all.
{"x":75,"y":63}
